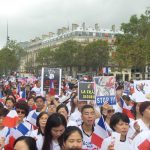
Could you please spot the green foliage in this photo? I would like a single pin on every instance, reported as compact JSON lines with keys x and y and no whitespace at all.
{"x":96,"y":54}
{"x":45,"y":57}
{"x":133,"y":48}
{"x":68,"y":54}
{"x":8,"y":60}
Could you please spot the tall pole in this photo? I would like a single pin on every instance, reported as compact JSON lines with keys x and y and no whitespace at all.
{"x":7,"y":38}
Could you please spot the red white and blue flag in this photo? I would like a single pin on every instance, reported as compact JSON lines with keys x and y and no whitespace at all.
{"x":100,"y":133}
{"x":125,"y":109}
{"x":51,"y":88}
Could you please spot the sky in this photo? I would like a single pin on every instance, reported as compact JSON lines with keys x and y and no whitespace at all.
{"x":28,"y":19}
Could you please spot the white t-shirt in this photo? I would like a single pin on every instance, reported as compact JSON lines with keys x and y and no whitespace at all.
{"x":87,"y":145}
{"x":37,"y":91}
{"x":76,"y":116}
{"x":39,"y":139}
{"x":71,"y":123}
{"x":55,"y":145}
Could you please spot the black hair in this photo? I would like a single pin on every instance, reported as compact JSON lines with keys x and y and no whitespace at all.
{"x":30,"y":142}
{"x":1,"y":105}
{"x":143,"y":106}
{"x":69,"y":130}
{"x":54,"y":120}
{"x":40,"y":98}
{"x":86,"y":107}
{"x":23,"y":105}
{"x":62,"y":106}
{"x":11,"y":99}
{"x":126,"y":97}
{"x":37,"y":121}
{"x":115,"y":118}
{"x":3,"y":112}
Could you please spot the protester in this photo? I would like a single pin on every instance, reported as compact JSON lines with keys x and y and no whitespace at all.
{"x":3,"y":130}
{"x":10,"y":103}
{"x":107,"y":111}
{"x":62,"y":109}
{"x":119,"y":123}
{"x":55,"y":126}
{"x":76,"y":116}
{"x":87,"y":127}
{"x":22,"y":128}
{"x":40,"y":106}
{"x":72,"y":138}
{"x":31,"y":103}
{"x":38,"y":134}
{"x":25,"y":143}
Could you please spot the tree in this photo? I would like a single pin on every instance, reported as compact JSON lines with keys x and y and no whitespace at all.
{"x":133,"y":47}
{"x":8,"y":61}
{"x":96,"y":54}
{"x":14,"y":46}
{"x":45,"y":57}
{"x":68,"y":53}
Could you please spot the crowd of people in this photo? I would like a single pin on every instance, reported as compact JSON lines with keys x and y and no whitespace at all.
{"x":63,"y":122}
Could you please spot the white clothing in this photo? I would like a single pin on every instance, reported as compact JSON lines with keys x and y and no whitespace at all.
{"x":119,"y":145}
{"x":140,"y":138}
{"x":39,"y":139}
{"x":71,"y":123}
{"x":76,"y":116}
{"x":37,"y":91}
{"x":87,"y":145}
{"x":55,"y":145}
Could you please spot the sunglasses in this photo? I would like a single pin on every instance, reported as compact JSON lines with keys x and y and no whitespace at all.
{"x":110,"y":111}
{"x":20,"y":112}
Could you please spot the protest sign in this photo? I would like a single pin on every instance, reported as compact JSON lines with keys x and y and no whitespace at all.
{"x":86,"y":91}
{"x":105,"y":90}
{"x":48,"y":75}
{"x":141,"y":90}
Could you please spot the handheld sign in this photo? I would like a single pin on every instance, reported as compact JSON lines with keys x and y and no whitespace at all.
{"x":105,"y":90}
{"x":48,"y":76}
{"x":86,"y":91}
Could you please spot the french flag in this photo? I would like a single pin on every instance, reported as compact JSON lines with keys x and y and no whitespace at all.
{"x":51,"y":88}
{"x":11,"y":119}
{"x":100,"y":133}
{"x":125,"y":109}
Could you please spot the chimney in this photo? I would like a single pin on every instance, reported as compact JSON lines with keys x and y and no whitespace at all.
{"x":83,"y":26}
{"x":96,"y":27}
{"x":74,"y":26}
{"x":113,"y":28}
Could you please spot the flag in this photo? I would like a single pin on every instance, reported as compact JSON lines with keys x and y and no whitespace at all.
{"x":100,"y":133}
{"x":18,"y":88}
{"x":145,"y":145}
{"x":105,"y":70}
{"x":21,"y":130}
{"x":11,"y":119}
{"x":125,"y":109}
{"x":24,"y":93}
{"x":51,"y":88}
{"x":32,"y":119}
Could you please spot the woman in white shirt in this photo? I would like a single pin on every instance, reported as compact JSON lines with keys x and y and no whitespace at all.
{"x":119,"y":123}
{"x":39,"y":133}
{"x":54,"y":129}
